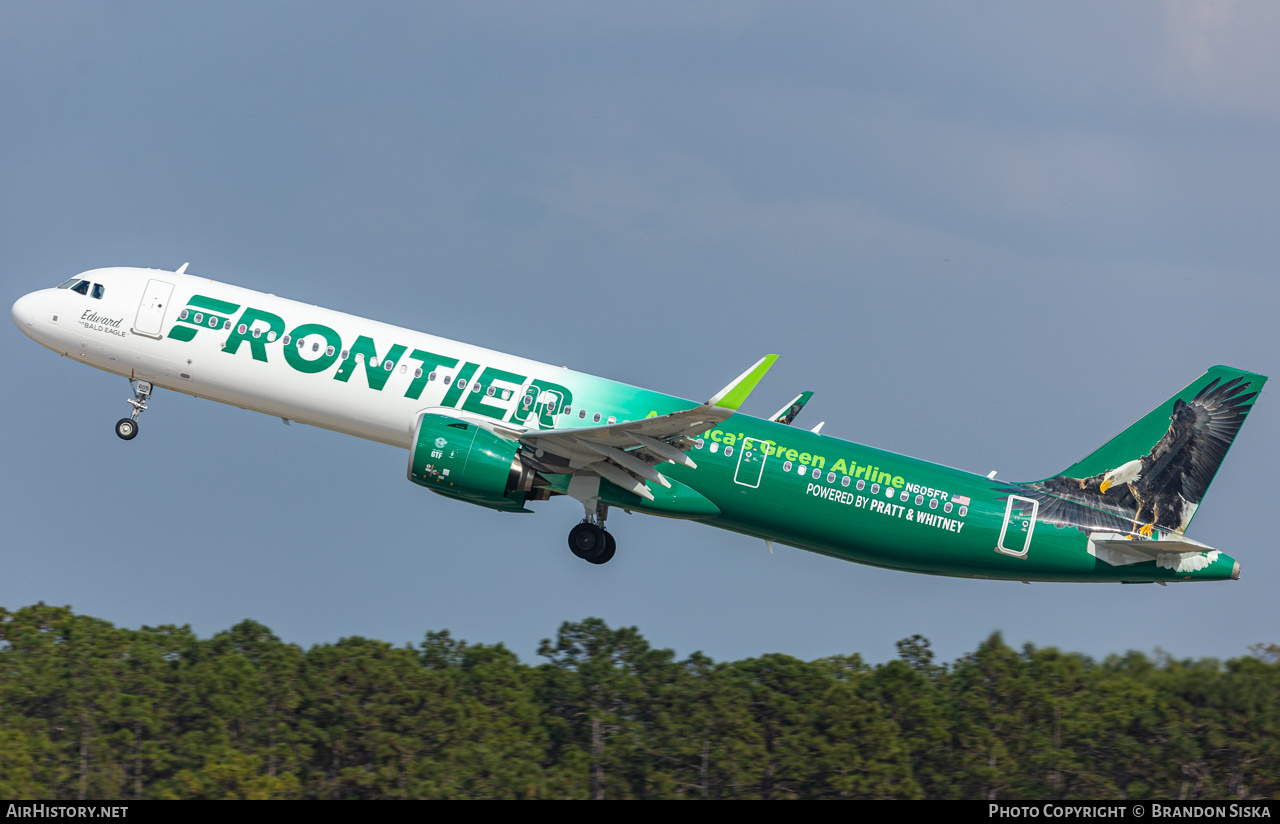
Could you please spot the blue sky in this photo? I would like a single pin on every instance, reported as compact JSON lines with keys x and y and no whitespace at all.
{"x":990,"y":235}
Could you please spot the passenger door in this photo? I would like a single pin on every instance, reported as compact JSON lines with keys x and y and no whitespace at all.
{"x":152,"y":308}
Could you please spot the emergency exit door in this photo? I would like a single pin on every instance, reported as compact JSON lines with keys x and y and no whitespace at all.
{"x":751,"y":458}
{"x":1019,"y":523}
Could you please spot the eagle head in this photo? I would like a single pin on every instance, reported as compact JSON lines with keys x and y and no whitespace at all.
{"x":1123,"y":474}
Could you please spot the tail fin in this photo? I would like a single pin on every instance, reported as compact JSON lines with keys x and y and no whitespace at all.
{"x":1157,"y":471}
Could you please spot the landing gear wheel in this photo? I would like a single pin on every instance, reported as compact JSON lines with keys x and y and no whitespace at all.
{"x":127,"y":429}
{"x":610,"y":546}
{"x":587,"y":541}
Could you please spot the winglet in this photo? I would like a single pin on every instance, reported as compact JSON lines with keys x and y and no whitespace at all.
{"x":788,"y":413}
{"x":732,"y":396}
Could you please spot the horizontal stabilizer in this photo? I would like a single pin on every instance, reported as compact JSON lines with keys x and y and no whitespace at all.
{"x":1180,"y":555}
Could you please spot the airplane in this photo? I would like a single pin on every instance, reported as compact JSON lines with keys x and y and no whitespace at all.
{"x":505,"y":432}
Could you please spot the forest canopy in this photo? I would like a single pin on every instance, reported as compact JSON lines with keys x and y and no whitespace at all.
{"x":93,"y":711}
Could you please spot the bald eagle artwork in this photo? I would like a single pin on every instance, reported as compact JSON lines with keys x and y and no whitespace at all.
{"x":1156,"y":491}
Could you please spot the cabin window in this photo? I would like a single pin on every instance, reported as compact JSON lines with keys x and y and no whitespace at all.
{"x":417,"y":373}
{"x":875,"y":490}
{"x":99,"y":290}
{"x":947,"y":507}
{"x":475,"y":387}
{"x":506,"y":396}
{"x":286,"y":340}
{"x":527,"y":402}
{"x":964,"y":510}
{"x":270,"y":335}
{"x":462,"y":383}
{"x":612,"y":420}
{"x":728,"y":451}
{"x":596,"y":417}
{"x":582,"y":413}
{"x":933,"y":503}
{"x":447,"y":378}
{"x":373,"y":362}
{"x":301,"y":343}
{"x":802,"y":470}
{"x":68,"y":283}
{"x":257,"y":333}
{"x":430,"y":377}
{"x":714,"y":448}
{"x":182,"y":316}
{"x":344,"y":354}
{"x":551,"y":406}
{"x":403,"y":369}
{"x":214,"y":324}
{"x":490,"y":391}
{"x":861,"y":484}
{"x":388,"y":365}
{"x":226,"y":324}
{"x":919,"y":500}
{"x":817,"y":473}
{"x":315,"y":344}
{"x":698,"y":443}
{"x":889,"y":492}
{"x":241,"y":329}
{"x":83,"y":288}
{"x":329,"y":350}
{"x":199,"y":318}
{"x":844,"y":481}
{"x":786,"y":466}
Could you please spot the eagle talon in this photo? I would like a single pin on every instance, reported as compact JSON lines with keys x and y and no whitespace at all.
{"x":1147,"y":530}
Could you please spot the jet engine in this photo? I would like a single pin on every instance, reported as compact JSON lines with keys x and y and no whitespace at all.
{"x":461,"y":460}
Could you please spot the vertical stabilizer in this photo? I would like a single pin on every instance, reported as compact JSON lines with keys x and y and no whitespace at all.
{"x":1153,"y":475}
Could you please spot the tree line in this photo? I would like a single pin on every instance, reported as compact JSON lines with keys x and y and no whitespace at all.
{"x":93,"y":711}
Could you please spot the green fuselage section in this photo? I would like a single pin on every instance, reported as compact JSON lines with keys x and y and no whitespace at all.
{"x":853,"y":502}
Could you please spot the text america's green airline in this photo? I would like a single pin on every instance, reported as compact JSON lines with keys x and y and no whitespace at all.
{"x":504,"y":432}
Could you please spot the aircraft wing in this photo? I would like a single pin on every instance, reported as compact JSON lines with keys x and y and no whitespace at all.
{"x":626,"y":453}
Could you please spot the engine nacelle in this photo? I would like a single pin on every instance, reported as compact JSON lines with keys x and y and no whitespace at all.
{"x":459,"y":459}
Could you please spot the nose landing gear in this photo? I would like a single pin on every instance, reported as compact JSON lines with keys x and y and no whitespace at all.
{"x":589,"y":540}
{"x":127,"y":428}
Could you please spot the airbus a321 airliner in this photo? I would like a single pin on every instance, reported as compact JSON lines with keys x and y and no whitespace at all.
{"x":504,"y":432}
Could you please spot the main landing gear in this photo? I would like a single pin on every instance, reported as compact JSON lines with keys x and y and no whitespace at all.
{"x":589,"y":540}
{"x":127,"y":428}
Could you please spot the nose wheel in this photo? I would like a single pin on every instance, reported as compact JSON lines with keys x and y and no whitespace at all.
{"x":589,"y":540}
{"x":127,"y":428}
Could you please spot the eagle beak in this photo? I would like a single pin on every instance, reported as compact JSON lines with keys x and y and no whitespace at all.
{"x":1105,"y":486}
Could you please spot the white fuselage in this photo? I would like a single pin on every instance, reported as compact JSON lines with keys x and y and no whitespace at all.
{"x":110,"y":333}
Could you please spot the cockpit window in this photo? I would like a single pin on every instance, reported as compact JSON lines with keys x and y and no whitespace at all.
{"x":99,"y":290}
{"x":82,"y":287}
{"x":68,"y":283}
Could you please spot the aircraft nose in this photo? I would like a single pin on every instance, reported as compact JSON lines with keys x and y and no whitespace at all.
{"x":25,"y":310}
